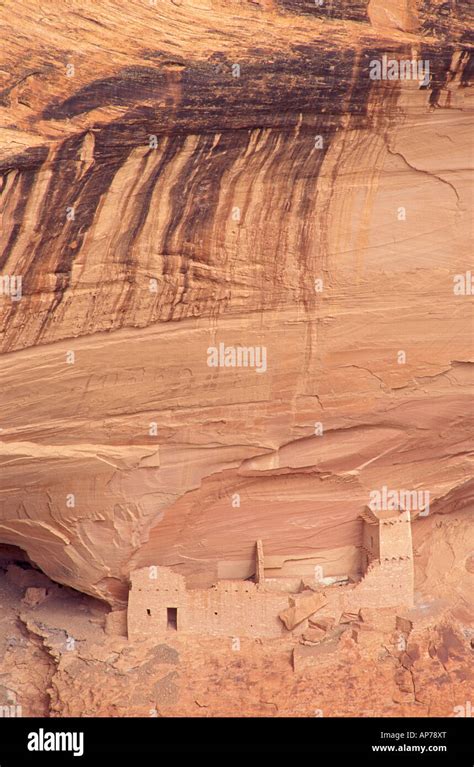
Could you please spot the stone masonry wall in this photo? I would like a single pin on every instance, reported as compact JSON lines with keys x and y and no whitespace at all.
{"x":390,"y":584}
{"x":395,"y":537}
{"x":230,"y":608}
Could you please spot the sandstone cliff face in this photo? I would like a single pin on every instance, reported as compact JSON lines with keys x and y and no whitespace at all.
{"x":179,"y":175}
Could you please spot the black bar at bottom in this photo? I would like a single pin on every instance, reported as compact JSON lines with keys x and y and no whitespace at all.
{"x":89,"y":741}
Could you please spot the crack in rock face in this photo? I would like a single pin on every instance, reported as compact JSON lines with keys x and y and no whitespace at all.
{"x":236,"y":338}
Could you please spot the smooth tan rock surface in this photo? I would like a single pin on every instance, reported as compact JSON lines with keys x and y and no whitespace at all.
{"x":301,"y":609}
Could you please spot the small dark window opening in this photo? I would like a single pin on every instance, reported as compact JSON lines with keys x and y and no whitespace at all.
{"x":172,"y":615}
{"x":148,"y":612}
{"x":371,"y":541}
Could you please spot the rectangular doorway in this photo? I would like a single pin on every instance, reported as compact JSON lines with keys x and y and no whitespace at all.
{"x":172,"y":616}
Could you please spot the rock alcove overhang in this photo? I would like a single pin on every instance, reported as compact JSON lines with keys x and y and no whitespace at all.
{"x":288,"y":92}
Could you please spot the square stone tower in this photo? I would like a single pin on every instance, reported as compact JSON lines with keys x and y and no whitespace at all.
{"x":395,"y":535}
{"x":387,"y":558}
{"x":386,"y":535}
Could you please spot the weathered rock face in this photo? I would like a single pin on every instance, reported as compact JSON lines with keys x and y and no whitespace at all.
{"x":180,"y":175}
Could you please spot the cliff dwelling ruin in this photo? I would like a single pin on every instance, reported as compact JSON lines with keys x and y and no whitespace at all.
{"x":159,"y":600}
